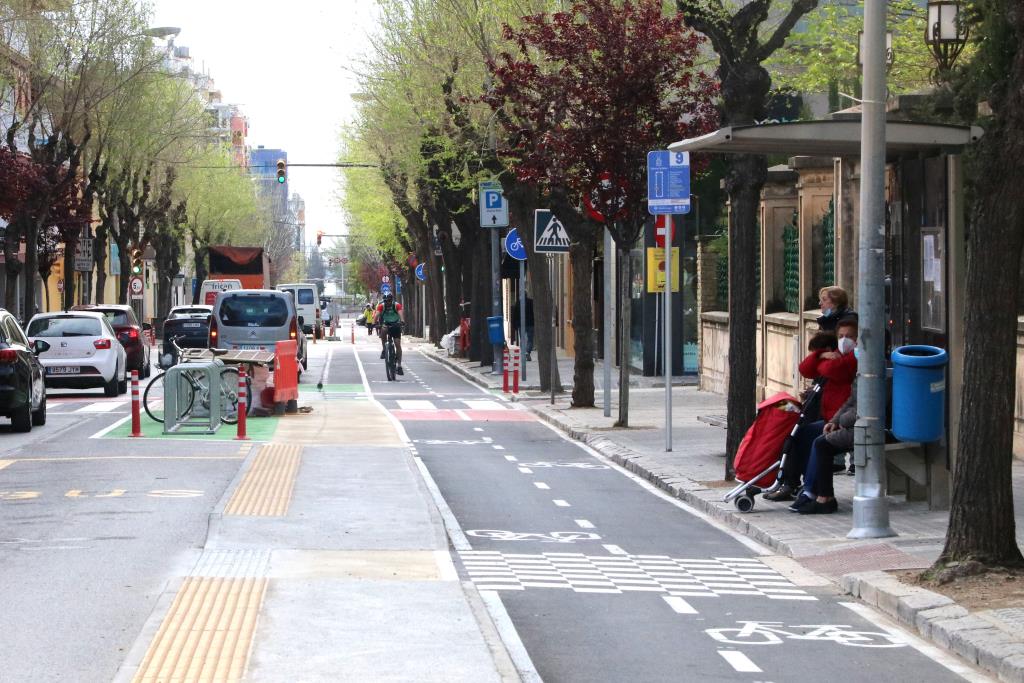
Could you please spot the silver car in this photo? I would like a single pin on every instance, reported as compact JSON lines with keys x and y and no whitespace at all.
{"x":255,"y":320}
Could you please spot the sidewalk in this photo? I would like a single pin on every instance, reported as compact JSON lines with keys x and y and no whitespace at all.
{"x":326,"y":559}
{"x":693,"y":472}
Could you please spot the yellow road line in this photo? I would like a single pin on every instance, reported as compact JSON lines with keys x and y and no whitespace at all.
{"x":6,"y":463}
{"x":124,"y":457}
{"x":266,"y":489}
{"x":207,"y":634}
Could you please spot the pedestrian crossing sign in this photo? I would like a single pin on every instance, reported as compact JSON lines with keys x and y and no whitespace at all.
{"x":549,"y":235}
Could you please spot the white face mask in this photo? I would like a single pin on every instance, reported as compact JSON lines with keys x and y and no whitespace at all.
{"x":846,"y":345}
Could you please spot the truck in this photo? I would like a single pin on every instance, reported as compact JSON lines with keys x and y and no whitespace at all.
{"x":249,"y":265}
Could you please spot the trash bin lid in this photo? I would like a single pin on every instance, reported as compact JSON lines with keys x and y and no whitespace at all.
{"x":920,"y":356}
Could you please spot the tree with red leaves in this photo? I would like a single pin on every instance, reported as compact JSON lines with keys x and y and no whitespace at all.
{"x":587,"y":94}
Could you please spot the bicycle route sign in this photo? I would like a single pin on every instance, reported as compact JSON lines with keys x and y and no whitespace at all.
{"x":421,"y":274}
{"x":514,"y":245}
{"x":549,"y":235}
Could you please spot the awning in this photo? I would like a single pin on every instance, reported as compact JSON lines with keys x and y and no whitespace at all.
{"x":830,"y":139}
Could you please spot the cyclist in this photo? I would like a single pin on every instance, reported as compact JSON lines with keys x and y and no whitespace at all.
{"x":389,"y":320}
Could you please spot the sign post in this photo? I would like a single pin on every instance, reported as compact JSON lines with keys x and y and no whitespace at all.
{"x":421,"y":275}
{"x":515,"y":248}
{"x":551,"y":238}
{"x":494,"y":215}
{"x":668,"y":193}
{"x":609,"y":357}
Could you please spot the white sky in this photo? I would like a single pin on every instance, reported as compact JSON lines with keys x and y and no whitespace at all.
{"x":286,"y":63}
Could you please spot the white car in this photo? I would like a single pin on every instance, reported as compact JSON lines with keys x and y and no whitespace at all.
{"x":84,"y":351}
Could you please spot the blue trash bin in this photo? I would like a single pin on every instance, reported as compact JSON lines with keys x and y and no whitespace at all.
{"x":918,"y":393}
{"x":496,"y":329}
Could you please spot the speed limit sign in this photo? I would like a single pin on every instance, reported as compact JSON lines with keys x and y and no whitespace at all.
{"x":135,"y":286}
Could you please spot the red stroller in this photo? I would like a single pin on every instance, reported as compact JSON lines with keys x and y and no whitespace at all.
{"x":761,"y":457}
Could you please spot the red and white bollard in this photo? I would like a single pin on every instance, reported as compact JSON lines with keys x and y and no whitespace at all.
{"x":353,"y":333}
{"x":515,"y":369}
{"x":504,"y":374}
{"x":243,"y":405}
{"x":334,"y":325}
{"x":136,"y":405}
{"x":510,"y":361}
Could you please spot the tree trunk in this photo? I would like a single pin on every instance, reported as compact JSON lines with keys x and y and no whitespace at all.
{"x":31,"y":266}
{"x":744,"y":180}
{"x":70,"y":246}
{"x":99,"y":255}
{"x":124,"y":257}
{"x":199,"y":255}
{"x":12,"y":267}
{"x":581,"y":251}
{"x":480,"y":304}
{"x":981,"y":521}
{"x":624,"y":279}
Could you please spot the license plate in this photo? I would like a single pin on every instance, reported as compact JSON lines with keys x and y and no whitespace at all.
{"x":191,"y":324}
{"x":251,"y":347}
{"x":63,"y":370}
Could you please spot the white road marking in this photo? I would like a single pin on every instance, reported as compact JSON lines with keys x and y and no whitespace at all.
{"x":483,"y":405}
{"x":561,"y":503}
{"x":103,"y":432}
{"x":526,"y":470}
{"x":511,"y":458}
{"x":584,"y":524}
{"x":462,"y":415}
{"x":541,"y":485}
{"x":478,"y":429}
{"x":104,"y":407}
{"x":679,"y":605}
{"x":416,"y":405}
{"x":498,"y":448}
{"x":739,"y":661}
{"x":933,"y":653}
{"x":615,"y":550}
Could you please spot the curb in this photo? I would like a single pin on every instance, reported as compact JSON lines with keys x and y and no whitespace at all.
{"x":939,"y":619}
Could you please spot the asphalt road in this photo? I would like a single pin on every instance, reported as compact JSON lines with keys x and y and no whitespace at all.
{"x":606,"y":579}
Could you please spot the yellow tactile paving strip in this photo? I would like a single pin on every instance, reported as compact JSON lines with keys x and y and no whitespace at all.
{"x":207,"y":634}
{"x":266,"y":489}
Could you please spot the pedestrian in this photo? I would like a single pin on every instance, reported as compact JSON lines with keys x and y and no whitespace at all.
{"x":819,"y":497}
{"x":835,"y":306}
{"x":832,"y":362}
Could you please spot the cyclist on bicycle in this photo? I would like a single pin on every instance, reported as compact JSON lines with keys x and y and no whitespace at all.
{"x":389,"y":319}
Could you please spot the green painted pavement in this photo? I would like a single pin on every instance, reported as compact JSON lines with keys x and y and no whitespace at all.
{"x":257,"y":429}
{"x":333,"y":388}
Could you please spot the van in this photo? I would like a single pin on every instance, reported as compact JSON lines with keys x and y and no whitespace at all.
{"x":211,"y":288}
{"x":307,"y":303}
{"x":255,"y":320}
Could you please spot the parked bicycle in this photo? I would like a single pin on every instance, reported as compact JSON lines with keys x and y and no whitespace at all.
{"x":195,"y":392}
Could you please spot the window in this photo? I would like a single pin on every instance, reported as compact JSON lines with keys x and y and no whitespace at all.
{"x":306,"y":297}
{"x":14,"y":333}
{"x":933,"y":272}
{"x":117,"y":318}
{"x":64,"y":326}
{"x":254,"y":311}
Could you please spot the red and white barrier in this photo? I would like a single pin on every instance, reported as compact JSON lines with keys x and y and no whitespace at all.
{"x":136,"y":405}
{"x":511,"y":357}
{"x":353,"y":333}
{"x":243,"y":405}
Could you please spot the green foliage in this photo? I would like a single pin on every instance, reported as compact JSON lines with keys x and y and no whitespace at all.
{"x":222,"y":204}
{"x":824,"y":54}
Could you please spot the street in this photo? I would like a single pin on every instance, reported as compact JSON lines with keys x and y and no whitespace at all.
{"x":594,"y":573}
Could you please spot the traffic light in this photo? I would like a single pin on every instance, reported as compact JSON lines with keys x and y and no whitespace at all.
{"x":319,"y":237}
{"x":136,"y":262}
{"x":281,"y":174}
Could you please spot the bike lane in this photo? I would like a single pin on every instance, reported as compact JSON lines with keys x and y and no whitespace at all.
{"x":606,"y":578}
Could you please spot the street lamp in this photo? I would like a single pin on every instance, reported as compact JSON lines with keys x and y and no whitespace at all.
{"x":162,"y":31}
{"x":945,"y":33}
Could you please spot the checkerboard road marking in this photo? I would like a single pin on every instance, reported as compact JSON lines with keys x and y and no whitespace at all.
{"x":677,"y":577}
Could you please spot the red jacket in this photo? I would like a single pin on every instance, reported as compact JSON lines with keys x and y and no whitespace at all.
{"x":840,"y":373}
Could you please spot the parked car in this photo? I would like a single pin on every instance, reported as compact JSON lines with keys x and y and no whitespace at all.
{"x":256,"y":319}
{"x":306,"y":304}
{"x":83,"y":351}
{"x":22,"y":386}
{"x":189,"y":326}
{"x":129,"y":332}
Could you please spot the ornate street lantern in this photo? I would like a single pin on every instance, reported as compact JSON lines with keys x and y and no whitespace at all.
{"x":945,"y":34}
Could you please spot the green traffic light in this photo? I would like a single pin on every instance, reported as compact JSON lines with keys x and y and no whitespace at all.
{"x":280,"y":179}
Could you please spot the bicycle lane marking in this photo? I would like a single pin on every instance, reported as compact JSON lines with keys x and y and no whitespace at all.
{"x":740,"y":662}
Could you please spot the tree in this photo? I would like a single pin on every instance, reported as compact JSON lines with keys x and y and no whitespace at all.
{"x":742,"y":50}
{"x":981,"y":521}
{"x":587,"y":94}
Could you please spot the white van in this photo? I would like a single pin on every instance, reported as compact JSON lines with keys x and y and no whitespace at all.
{"x":306,"y":304}
{"x":211,"y":288}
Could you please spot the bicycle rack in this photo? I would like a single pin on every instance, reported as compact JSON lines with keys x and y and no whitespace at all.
{"x":199,"y":419}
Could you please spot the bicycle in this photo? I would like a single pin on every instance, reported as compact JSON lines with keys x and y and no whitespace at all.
{"x":197,"y":389}
{"x":390,"y":353}
{"x":773,"y":633}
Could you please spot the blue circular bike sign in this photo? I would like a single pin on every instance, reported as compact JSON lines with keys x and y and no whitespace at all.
{"x":514,"y":245}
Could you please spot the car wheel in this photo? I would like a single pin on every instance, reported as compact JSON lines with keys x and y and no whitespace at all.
{"x":122,"y":386}
{"x":110,"y":388}
{"x":21,"y":419}
{"x":305,"y":363}
{"x":39,"y":416}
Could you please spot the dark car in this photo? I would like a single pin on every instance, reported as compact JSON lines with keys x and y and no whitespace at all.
{"x":189,"y":326}
{"x":129,"y":332}
{"x":22,"y":388}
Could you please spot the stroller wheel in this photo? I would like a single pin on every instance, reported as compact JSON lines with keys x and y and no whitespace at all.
{"x":744,"y":503}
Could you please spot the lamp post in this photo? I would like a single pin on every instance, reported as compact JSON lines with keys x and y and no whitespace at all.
{"x":945,"y":34}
